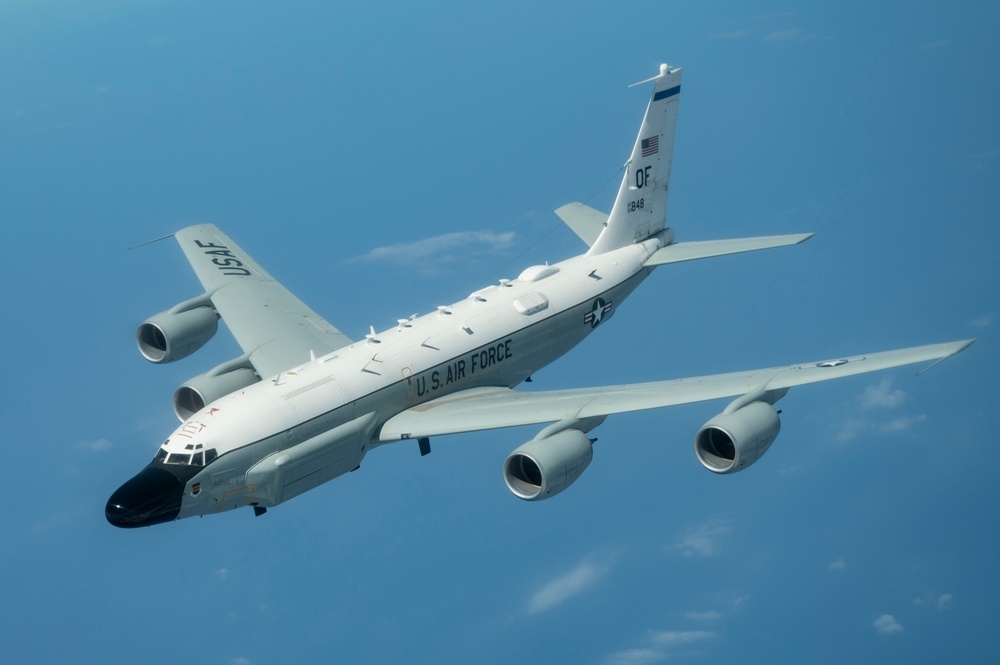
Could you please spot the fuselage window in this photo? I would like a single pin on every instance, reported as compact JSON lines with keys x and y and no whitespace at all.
{"x":210,"y":455}
{"x":179,"y":458}
{"x":199,"y":459}
{"x":161,"y":455}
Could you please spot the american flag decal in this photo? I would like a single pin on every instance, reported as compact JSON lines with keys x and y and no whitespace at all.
{"x":650,"y":146}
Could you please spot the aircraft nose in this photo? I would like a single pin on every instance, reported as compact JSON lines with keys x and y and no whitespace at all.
{"x":152,"y":496}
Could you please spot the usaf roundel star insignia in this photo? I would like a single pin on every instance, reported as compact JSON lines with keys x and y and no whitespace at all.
{"x":597,"y":312}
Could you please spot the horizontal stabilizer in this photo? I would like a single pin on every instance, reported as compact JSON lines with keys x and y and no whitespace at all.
{"x":584,"y":220}
{"x":703,"y":249}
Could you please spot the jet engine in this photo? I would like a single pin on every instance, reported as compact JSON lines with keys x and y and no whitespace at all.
{"x":173,"y":334}
{"x":542,"y":468}
{"x":732,"y":441}
{"x":205,"y":388}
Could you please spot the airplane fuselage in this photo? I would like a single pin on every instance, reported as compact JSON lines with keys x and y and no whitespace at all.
{"x":284,"y":435}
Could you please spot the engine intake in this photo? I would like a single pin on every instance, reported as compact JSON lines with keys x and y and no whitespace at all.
{"x":171,"y":335}
{"x":197,"y":393}
{"x":542,"y":468}
{"x":731,"y":442}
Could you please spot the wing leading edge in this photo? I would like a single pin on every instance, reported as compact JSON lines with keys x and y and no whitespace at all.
{"x":493,"y":408}
{"x":275,"y":329}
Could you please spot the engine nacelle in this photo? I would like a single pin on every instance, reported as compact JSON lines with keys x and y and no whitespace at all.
{"x":170,"y":335}
{"x":542,"y":468}
{"x":195,"y":394}
{"x":731,"y":442}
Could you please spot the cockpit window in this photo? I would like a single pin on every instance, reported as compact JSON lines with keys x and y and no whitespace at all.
{"x":199,"y":458}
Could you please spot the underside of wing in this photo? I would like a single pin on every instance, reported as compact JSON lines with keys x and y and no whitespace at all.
{"x":493,"y":408}
{"x":275,"y":329}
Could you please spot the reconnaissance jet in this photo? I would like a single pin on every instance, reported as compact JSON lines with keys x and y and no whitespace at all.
{"x":305,"y":404}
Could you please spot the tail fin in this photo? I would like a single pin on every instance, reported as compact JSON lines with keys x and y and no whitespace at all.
{"x":641,"y":207}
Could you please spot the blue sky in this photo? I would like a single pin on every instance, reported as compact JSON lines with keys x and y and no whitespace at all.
{"x":383,"y":158}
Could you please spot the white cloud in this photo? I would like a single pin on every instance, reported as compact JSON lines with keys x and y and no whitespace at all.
{"x":944,"y":601}
{"x":901,"y":424}
{"x":737,"y":602}
{"x":702,"y":540}
{"x":659,"y":645}
{"x":850,"y":428}
{"x":887,"y":625}
{"x":937,"y":43}
{"x":838,"y":565}
{"x":672,"y":638}
{"x":441,"y":248}
{"x":635,"y":657}
{"x":565,"y":586}
{"x":875,"y":397}
{"x":710,"y":615}
{"x":731,"y":601}
{"x":98,"y":446}
{"x":882,"y":396}
{"x":983,"y":321}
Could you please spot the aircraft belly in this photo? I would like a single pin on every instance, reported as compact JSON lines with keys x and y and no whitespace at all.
{"x":292,"y":471}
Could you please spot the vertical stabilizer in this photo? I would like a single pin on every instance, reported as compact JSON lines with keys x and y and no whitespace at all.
{"x":641,"y":207}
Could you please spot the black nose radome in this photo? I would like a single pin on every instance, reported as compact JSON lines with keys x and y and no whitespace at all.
{"x":153,"y":496}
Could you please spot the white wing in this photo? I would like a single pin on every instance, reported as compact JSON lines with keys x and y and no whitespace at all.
{"x":492,"y":408}
{"x":272,"y":326}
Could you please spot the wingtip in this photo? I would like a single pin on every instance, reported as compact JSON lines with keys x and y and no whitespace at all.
{"x":953,"y":348}
{"x":963,"y":345}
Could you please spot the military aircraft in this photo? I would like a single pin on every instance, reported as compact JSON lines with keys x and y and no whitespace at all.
{"x":304,"y":404}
